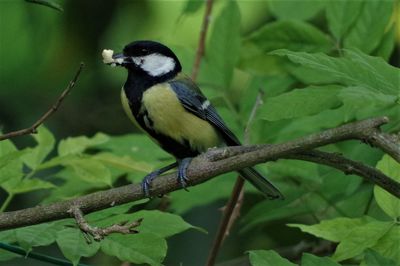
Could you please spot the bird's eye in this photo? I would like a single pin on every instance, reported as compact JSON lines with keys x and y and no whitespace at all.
{"x":145,"y":51}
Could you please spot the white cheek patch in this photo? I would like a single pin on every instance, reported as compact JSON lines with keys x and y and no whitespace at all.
{"x":155,"y":64}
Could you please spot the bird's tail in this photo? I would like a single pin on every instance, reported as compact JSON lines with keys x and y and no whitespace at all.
{"x":261,"y":183}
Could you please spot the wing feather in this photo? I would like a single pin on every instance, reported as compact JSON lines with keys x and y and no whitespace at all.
{"x":194,"y":101}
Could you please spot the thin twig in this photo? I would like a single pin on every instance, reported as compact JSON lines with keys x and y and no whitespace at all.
{"x":98,"y":233}
{"x":202,"y":39}
{"x":200,"y":170}
{"x":231,"y":211}
{"x":36,"y":256}
{"x":33,"y":129}
{"x":348,"y":167}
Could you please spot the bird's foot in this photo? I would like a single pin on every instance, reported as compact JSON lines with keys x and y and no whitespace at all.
{"x":182,"y":169}
{"x":146,"y":183}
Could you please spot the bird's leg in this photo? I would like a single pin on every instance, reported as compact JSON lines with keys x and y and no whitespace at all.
{"x":146,"y":183}
{"x":183,"y":165}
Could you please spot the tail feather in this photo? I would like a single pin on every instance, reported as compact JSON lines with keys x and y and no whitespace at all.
{"x":261,"y":183}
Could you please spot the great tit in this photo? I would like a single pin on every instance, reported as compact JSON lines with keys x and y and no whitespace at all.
{"x":168,"y":106}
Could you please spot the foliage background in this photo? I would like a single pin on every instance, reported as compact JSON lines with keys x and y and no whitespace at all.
{"x":305,"y":91}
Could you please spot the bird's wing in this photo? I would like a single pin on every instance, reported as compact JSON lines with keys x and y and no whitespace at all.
{"x":195,"y":102}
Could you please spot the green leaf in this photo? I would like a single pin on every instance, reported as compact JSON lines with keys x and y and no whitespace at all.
{"x":7,"y":255}
{"x":183,"y":202}
{"x":300,"y":102}
{"x":73,"y":245}
{"x":137,"y":146}
{"x":72,"y":186}
{"x":79,"y":144}
{"x":91,"y":171}
{"x":267,"y":210}
{"x":138,"y":248}
{"x":191,"y":6}
{"x":305,"y":9}
{"x":17,"y":186}
{"x":259,"y":216}
{"x":123,"y":162}
{"x":388,"y":245}
{"x":354,"y":205}
{"x":388,"y":203}
{"x":361,"y":238}
{"x":36,"y":235}
{"x":387,"y":44}
{"x":267,"y":258}
{"x":8,"y":236}
{"x":292,"y":35}
{"x":354,"y":69}
{"x":341,"y":14}
{"x":357,"y":97}
{"x":223,"y":47}
{"x":312,"y":260}
{"x":162,"y":223}
{"x":10,"y":163}
{"x":85,"y":167}
{"x":373,"y":258}
{"x":369,"y":28}
{"x":333,"y":230}
{"x":121,"y":209}
{"x":47,"y":3}
{"x":45,"y":144}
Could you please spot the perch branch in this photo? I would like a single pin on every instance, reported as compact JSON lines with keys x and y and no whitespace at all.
{"x":231,"y":211}
{"x":203,"y":168}
{"x":33,"y":129}
{"x":202,"y":39}
{"x":99,"y":233}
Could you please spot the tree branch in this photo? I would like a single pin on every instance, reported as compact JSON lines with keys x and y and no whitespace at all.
{"x":231,"y":210}
{"x":33,"y":129}
{"x":99,"y":233}
{"x":386,"y":142}
{"x":349,"y":167}
{"x":202,"y":168}
{"x":202,"y":39}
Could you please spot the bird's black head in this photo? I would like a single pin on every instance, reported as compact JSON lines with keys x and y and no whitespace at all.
{"x":148,"y":58}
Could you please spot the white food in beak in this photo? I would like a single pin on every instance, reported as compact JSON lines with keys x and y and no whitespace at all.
{"x":107,"y":56}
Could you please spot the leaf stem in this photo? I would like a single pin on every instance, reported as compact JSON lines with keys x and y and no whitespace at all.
{"x":7,"y":202}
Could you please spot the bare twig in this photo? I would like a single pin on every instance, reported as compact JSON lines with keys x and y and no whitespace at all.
{"x":202,"y":39}
{"x":99,"y":233}
{"x":200,"y":170}
{"x":231,"y":211}
{"x":33,"y":129}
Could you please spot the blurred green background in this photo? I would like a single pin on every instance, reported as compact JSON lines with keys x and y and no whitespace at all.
{"x":41,"y":48}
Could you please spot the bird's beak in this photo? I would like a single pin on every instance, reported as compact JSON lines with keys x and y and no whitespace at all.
{"x":119,"y":59}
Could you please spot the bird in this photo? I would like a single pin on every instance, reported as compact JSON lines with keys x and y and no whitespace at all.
{"x":170,"y":108}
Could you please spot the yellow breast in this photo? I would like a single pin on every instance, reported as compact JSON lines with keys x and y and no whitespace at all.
{"x":171,"y":119}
